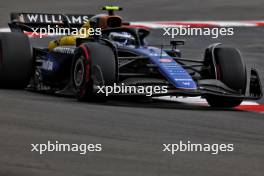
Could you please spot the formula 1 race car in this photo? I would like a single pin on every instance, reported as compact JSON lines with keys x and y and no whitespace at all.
{"x":119,"y":55}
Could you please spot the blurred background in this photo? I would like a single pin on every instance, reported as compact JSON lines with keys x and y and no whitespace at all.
{"x":139,"y":10}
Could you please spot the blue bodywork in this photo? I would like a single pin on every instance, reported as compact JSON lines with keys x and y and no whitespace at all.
{"x":170,"y":69}
{"x":53,"y":68}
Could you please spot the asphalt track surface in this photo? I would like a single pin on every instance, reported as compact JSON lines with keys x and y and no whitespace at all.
{"x":132,"y":132}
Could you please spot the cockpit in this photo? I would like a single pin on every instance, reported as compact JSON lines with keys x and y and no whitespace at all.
{"x":122,"y":38}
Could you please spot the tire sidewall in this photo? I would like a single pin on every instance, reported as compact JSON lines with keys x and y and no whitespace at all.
{"x":99,"y":60}
{"x":16,"y":60}
{"x":85,"y":88}
{"x":231,"y":70}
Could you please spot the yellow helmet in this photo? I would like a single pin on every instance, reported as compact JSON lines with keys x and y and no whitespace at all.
{"x":71,"y":40}
{"x":67,"y":40}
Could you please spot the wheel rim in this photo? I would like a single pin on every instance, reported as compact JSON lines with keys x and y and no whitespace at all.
{"x":79,"y":72}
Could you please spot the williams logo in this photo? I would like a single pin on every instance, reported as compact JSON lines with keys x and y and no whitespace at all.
{"x":51,"y":18}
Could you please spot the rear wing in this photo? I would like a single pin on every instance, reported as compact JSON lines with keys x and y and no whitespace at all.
{"x":25,"y":21}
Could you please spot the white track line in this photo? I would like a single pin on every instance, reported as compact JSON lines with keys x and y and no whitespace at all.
{"x":164,"y":24}
{"x":196,"y":100}
{"x":5,"y":30}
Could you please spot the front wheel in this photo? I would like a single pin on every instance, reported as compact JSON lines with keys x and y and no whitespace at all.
{"x":16,"y":61}
{"x":91,"y":58}
{"x":229,"y":68}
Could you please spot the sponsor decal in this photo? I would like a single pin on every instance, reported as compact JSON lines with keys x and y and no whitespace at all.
{"x":52,"y":18}
{"x":47,"y":65}
{"x":186,"y":83}
{"x":64,"y":50}
{"x":165,"y":60}
{"x":157,"y":53}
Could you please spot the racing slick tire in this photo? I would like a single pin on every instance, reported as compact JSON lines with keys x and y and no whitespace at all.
{"x":90,"y":60}
{"x":16,"y":61}
{"x":231,"y":70}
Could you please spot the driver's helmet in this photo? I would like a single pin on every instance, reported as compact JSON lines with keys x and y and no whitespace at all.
{"x":122,"y":38}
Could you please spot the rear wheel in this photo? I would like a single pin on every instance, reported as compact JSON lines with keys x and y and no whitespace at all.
{"x":91,"y":58}
{"x":229,"y":67}
{"x":16,"y":61}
